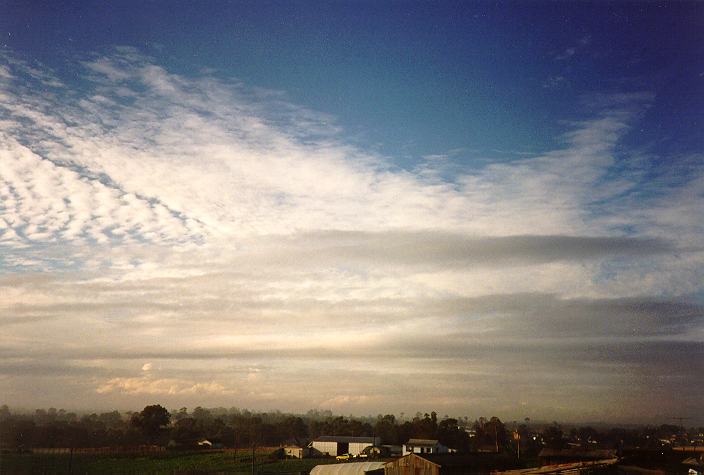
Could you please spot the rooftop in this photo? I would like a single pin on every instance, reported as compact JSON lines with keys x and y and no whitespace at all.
{"x":345,"y":439}
{"x":424,"y":442}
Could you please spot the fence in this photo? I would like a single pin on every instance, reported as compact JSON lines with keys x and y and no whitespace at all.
{"x":135,"y":450}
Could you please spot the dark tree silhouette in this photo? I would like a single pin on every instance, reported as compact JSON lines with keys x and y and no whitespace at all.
{"x":452,"y":435}
{"x":151,"y":421}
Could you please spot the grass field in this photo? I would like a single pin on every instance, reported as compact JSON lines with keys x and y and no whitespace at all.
{"x":172,"y":463}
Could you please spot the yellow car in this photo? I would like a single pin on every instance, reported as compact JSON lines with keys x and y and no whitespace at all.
{"x":344,"y":457}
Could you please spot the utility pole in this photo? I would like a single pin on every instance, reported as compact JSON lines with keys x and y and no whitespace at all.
{"x":253,"y":433}
{"x":680,"y":419}
{"x":237,"y":444}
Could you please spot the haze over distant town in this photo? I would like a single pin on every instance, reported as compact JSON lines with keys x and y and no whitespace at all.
{"x":362,"y":207}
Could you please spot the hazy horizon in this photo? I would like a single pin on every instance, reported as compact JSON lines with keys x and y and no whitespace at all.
{"x":364,"y":207}
{"x":400,"y":416}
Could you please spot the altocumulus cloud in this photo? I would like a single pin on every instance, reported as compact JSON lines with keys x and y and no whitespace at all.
{"x":239,"y":245}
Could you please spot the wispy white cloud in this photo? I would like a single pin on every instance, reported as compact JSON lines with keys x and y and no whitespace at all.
{"x":570,"y":51}
{"x":566,"y":54}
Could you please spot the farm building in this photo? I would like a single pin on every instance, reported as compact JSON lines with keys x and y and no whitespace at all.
{"x":356,"y":468}
{"x":444,"y":464}
{"x":338,"y":445}
{"x":424,"y":446}
{"x":296,"y":451}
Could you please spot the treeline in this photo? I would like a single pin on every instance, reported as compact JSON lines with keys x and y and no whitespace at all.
{"x":241,"y":428}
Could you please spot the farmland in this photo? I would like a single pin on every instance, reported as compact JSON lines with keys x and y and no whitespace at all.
{"x":171,"y":462}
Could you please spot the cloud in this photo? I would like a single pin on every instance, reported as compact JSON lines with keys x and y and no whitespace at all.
{"x":554,"y":82}
{"x":158,"y":387}
{"x":566,"y":54}
{"x":153,"y":157}
{"x":233,"y":239}
{"x":448,"y":250}
{"x":570,"y":51}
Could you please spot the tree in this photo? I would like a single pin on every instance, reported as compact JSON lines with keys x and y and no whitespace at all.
{"x":185,"y":432}
{"x":425,"y":427}
{"x":151,"y":421}
{"x":552,"y":435}
{"x":451,"y":435}
{"x":181,"y":414}
{"x":112,"y":420}
{"x":4,"y":412}
{"x":385,"y":428}
{"x":491,"y":432}
{"x":293,"y":428}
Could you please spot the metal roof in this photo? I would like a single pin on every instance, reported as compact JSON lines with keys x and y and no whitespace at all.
{"x":578,"y":453}
{"x":352,"y":468}
{"x":345,"y":439}
{"x":424,"y":442}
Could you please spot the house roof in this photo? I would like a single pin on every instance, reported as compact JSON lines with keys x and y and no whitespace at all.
{"x":423,"y":442}
{"x":594,"y":454}
{"x":412,"y":456}
{"x":561,"y":468}
{"x":352,"y":468}
{"x":474,"y":460}
{"x":346,"y":439}
{"x":295,"y":442}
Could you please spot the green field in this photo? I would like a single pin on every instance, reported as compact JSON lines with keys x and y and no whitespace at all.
{"x":164,"y":463}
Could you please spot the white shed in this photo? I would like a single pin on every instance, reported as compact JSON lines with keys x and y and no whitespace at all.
{"x":338,"y":445}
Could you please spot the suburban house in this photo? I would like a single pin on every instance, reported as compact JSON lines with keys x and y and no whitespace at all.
{"x":338,"y":445}
{"x":424,"y":446}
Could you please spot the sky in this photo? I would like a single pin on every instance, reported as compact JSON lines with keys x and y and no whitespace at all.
{"x":368,"y":207}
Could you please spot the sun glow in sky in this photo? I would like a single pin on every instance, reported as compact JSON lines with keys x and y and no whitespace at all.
{"x":366,"y":207}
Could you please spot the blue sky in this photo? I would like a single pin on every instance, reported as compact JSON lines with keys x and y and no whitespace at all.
{"x":413,"y":79}
{"x":223,"y":198}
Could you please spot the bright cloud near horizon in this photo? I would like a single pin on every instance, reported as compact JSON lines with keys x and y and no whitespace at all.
{"x":179,"y":232}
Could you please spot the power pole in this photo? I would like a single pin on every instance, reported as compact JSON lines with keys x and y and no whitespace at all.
{"x":237,"y":444}
{"x":252,"y":432}
{"x":680,"y":419}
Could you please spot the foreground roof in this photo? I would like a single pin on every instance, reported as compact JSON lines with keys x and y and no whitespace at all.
{"x":356,"y":468}
{"x":474,"y":460}
{"x":578,"y":453}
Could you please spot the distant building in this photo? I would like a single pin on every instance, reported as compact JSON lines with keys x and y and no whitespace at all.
{"x":392,"y":450}
{"x":296,"y":451}
{"x":424,"y":446}
{"x":338,"y":445}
